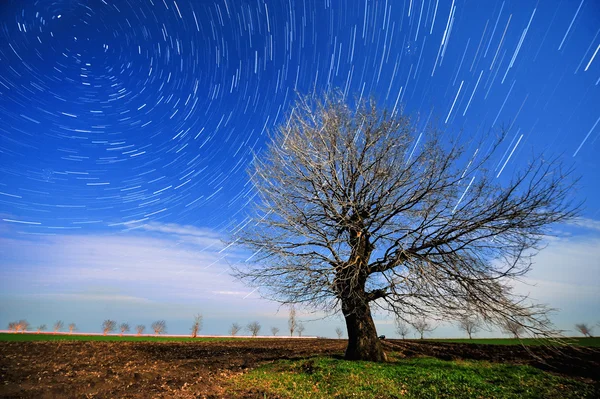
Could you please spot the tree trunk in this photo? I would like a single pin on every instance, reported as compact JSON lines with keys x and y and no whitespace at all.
{"x":363,"y":343}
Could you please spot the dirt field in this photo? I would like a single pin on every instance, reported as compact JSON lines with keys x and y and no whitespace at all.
{"x":201,"y":369}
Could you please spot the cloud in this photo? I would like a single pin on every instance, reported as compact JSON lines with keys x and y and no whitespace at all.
{"x":586,"y":223}
{"x":166,"y":265}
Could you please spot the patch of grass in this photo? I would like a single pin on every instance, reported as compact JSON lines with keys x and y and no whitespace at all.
{"x":65,"y":337}
{"x":576,"y":341}
{"x":414,"y":378}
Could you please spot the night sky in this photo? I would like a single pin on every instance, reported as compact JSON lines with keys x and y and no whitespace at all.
{"x":133,"y":122}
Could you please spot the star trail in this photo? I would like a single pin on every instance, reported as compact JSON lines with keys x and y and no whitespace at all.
{"x":119,"y":114}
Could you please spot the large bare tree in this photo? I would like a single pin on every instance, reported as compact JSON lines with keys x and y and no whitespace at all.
{"x":357,"y":208}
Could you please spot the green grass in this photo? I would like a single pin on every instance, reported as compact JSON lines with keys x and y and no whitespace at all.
{"x":414,"y":378}
{"x":65,"y":337}
{"x":576,"y":341}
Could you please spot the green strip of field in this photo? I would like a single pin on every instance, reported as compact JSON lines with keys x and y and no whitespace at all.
{"x":576,"y":341}
{"x":105,"y":338}
{"x":404,"y":378}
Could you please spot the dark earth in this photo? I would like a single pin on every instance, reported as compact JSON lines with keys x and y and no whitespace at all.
{"x":76,"y":369}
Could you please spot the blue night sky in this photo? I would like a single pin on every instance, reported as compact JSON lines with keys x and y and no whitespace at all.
{"x":126,"y":128}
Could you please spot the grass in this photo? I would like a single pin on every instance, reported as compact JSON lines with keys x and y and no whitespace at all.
{"x":106,"y":338}
{"x":405,"y":378}
{"x":576,"y":341}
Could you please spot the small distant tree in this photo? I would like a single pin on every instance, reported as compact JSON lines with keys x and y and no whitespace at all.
{"x":469,"y":324}
{"x":274,"y":330}
{"x":234,"y":329}
{"x":124,"y":327}
{"x":58,"y":326}
{"x":12,"y":326}
{"x":339,"y":332}
{"x":513,"y":328}
{"x":108,"y":326}
{"x":140,"y":328}
{"x":197,"y":325}
{"x":584,"y":329}
{"x":23,"y":325}
{"x":401,"y":328}
{"x":159,"y":327}
{"x":423,"y":326}
{"x":292,"y":323}
{"x":41,"y":328}
{"x":72,"y":327}
{"x":300,"y":329}
{"x":253,"y":328}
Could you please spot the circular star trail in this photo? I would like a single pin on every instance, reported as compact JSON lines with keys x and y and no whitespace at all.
{"x":114,"y":114}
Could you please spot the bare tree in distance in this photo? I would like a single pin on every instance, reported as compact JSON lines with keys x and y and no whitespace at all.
{"x":253,"y":328}
{"x":41,"y":327}
{"x":59,"y":325}
{"x":108,"y":326}
{"x":300,"y":329}
{"x":234,"y":329}
{"x":292,"y":323}
{"x":357,"y":207}
{"x":140,"y":328}
{"x":197,"y":325}
{"x":72,"y":327}
{"x":274,"y":330}
{"x":339,"y":332}
{"x":422,"y":326}
{"x":514,"y":328}
{"x":584,"y":329}
{"x":123,"y":328}
{"x":22,"y":325}
{"x":159,"y":327}
{"x":401,"y":328}
{"x":469,"y":324}
{"x":12,"y":326}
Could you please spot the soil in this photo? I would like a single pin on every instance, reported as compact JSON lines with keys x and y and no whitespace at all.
{"x":69,"y":369}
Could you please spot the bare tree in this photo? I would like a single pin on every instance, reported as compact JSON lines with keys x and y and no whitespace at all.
{"x":197,"y":325}
{"x":41,"y":327}
{"x":253,"y":328}
{"x":422,"y":326}
{"x":22,"y":325}
{"x":292,"y":323}
{"x":108,"y":326}
{"x":234,"y":329}
{"x":274,"y":330}
{"x":140,"y":328}
{"x":159,"y":327}
{"x":59,"y":325}
{"x":514,"y":328}
{"x":72,"y":327}
{"x":356,"y":207}
{"x":124,"y":327}
{"x":469,"y":324}
{"x":339,"y":332}
{"x":401,"y":328}
{"x":12,"y":326}
{"x":584,"y":329}
{"x":300,"y":329}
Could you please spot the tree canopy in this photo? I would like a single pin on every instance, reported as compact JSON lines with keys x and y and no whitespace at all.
{"x":358,"y":207}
